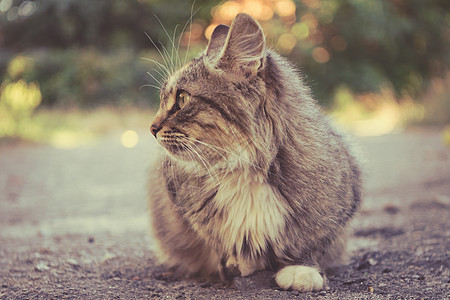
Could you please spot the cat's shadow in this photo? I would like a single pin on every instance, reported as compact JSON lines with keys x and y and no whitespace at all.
{"x":257,"y":281}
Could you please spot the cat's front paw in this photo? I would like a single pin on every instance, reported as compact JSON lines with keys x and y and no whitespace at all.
{"x":300,"y":278}
{"x":228,"y":270}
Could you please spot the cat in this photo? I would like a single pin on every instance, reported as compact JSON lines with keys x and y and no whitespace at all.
{"x":252,"y":175}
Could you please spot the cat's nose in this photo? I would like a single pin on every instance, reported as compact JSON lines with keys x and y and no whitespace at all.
{"x":154,"y":129}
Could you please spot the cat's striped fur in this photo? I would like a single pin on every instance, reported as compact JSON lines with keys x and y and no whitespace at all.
{"x":253,"y":176}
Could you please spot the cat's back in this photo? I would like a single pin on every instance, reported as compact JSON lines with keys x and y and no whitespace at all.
{"x":315,"y":162}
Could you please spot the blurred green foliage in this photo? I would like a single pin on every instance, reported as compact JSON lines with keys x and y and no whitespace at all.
{"x":67,"y":24}
{"x":17,"y":101}
{"x":86,"y":78}
{"x":401,"y":42}
{"x":85,"y":53}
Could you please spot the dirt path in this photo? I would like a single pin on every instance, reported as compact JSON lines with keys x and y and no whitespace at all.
{"x":73,"y":224}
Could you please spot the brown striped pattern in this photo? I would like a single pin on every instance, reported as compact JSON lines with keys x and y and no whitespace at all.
{"x":253,"y":175}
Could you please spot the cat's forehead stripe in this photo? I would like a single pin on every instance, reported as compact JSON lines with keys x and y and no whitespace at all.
{"x":168,"y":92}
{"x":229,"y":113}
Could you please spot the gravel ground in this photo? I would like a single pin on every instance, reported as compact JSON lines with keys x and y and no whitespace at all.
{"x":73,"y":224}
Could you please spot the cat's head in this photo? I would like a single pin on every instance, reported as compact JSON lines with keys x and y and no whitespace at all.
{"x":208,"y":107}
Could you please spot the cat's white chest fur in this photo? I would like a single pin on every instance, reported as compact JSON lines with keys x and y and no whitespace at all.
{"x":253,"y":216}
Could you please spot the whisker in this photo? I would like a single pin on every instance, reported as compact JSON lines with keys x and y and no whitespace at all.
{"x":197,"y":166}
{"x":204,"y":162}
{"x":219,"y":182}
{"x":211,"y":146}
{"x":160,"y":53}
{"x":160,"y":66}
{"x":154,"y":78}
{"x":215,"y":148}
{"x":207,"y":145}
{"x":247,"y":140}
{"x":162,"y":71}
{"x":163,"y":67}
{"x":167,"y":58}
{"x":172,"y":60}
{"x":149,"y":85}
{"x":175,"y":50}
{"x":240,"y":158}
{"x":191,"y":155}
{"x":159,"y":73}
{"x":184,"y":29}
{"x":190,"y":31}
{"x":172,"y":42}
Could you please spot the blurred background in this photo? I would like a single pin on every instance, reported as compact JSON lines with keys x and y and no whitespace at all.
{"x":78,"y":91}
{"x":73,"y":69}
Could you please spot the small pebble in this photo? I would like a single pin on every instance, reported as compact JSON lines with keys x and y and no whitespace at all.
{"x":370,"y":289}
{"x":42,"y":266}
{"x":108,"y":256}
{"x":73,"y":262}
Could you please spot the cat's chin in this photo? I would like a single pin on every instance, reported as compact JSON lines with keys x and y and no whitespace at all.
{"x":186,"y":160}
{"x":176,"y":153}
{"x":179,"y":154}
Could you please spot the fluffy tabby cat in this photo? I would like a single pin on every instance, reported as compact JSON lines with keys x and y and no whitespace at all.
{"x":253,"y":176}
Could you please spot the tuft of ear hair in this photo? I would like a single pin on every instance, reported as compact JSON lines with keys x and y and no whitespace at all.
{"x":237,"y":50}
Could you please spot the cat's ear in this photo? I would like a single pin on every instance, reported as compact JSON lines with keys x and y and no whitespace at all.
{"x":216,"y":43}
{"x":242,"y":53}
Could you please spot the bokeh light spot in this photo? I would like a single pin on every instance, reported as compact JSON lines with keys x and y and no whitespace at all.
{"x":285,"y":8}
{"x":311,"y":21}
{"x":321,"y":55}
{"x":27,"y":8}
{"x":5,"y":5}
{"x":287,"y":42}
{"x":252,"y":7}
{"x":301,"y":30}
{"x":209,"y":30}
{"x":13,"y":14}
{"x":446,"y":135}
{"x":129,"y":139}
{"x":229,"y":10}
{"x":266,"y":13}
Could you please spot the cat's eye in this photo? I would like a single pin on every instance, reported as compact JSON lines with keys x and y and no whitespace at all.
{"x":182,"y":98}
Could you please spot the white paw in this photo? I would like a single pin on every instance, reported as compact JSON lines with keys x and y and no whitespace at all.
{"x":300,"y":278}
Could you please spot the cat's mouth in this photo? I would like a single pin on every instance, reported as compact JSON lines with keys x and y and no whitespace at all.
{"x":179,"y":145}
{"x":185,"y":148}
{"x":172,"y":141}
